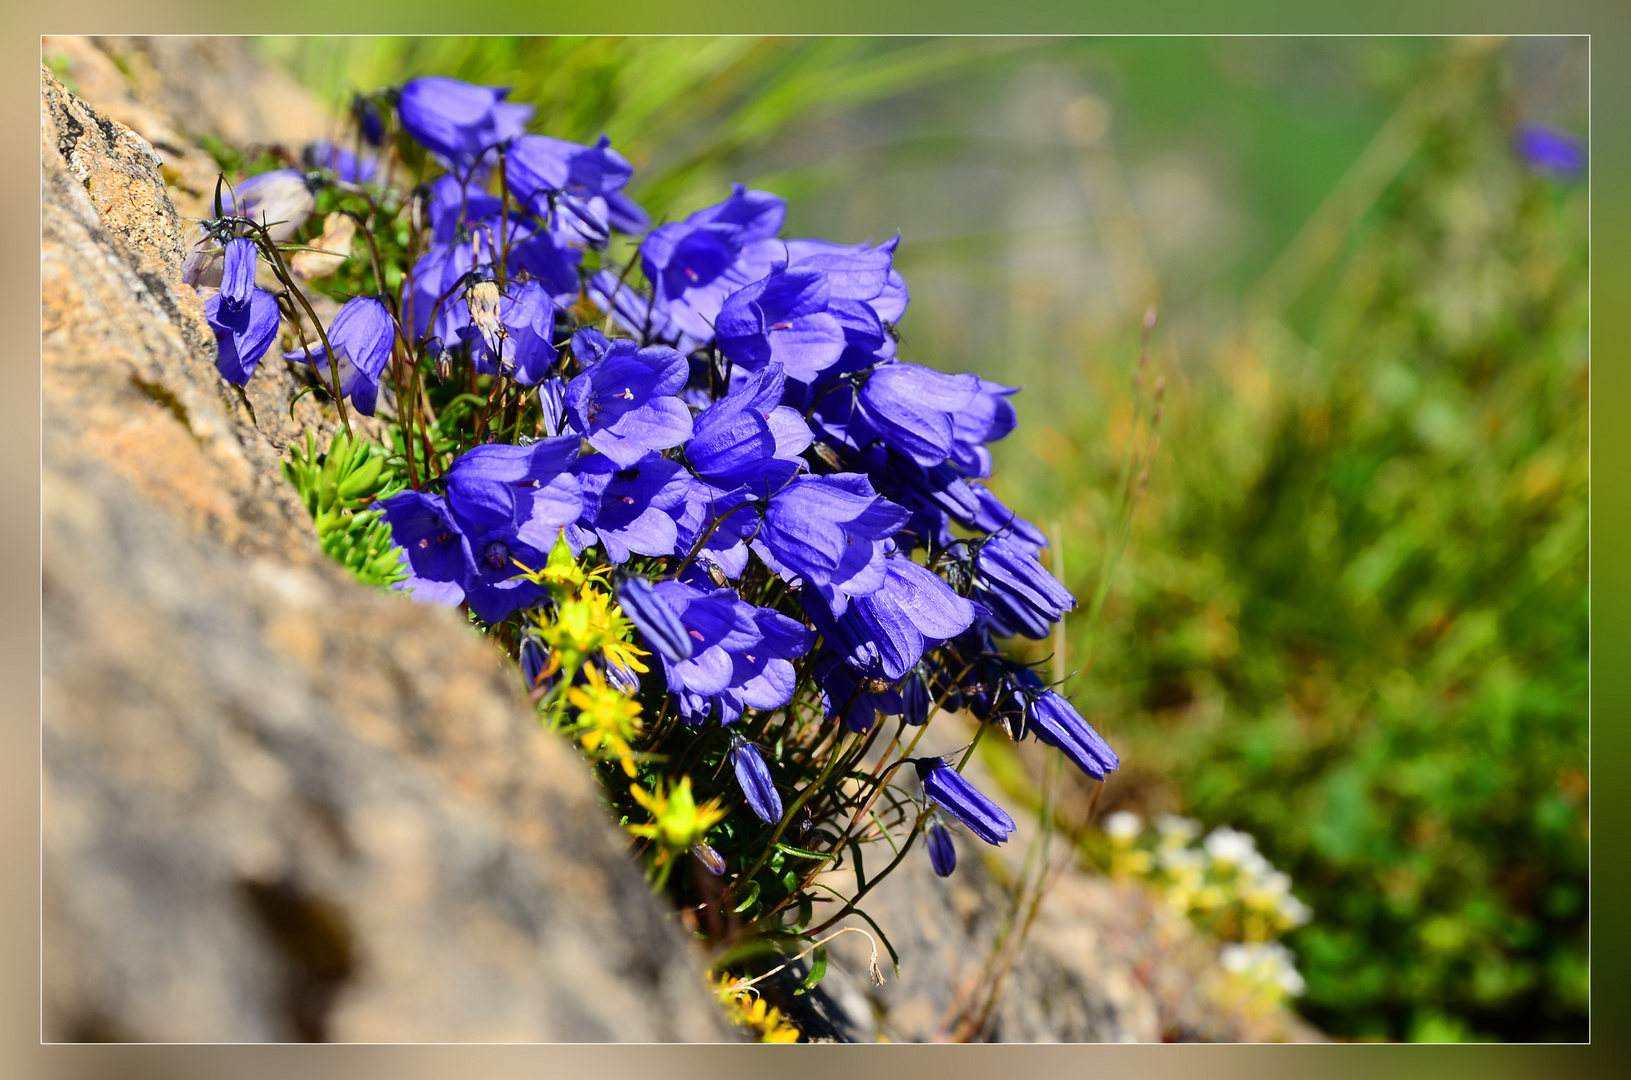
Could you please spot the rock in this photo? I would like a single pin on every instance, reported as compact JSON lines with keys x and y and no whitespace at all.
{"x":278,"y":805}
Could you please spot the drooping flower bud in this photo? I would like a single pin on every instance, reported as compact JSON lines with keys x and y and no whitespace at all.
{"x":652,"y":616}
{"x":753,"y":777}
{"x":942,"y":854}
{"x":963,"y":801}
{"x":711,"y":860}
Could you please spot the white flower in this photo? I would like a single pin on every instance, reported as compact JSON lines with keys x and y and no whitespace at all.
{"x":1123,"y":825}
{"x":1226,"y":845}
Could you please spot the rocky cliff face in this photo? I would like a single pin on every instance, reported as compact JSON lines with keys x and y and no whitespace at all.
{"x":281,"y":806}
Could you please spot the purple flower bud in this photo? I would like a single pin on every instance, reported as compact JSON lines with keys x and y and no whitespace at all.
{"x":1055,"y":721}
{"x":710,"y":859}
{"x":654,"y":618}
{"x":942,"y":855}
{"x":753,"y":777}
{"x":1021,"y":595}
{"x":963,"y":801}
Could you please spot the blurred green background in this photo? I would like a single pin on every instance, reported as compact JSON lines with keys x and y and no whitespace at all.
{"x":1352,"y":617}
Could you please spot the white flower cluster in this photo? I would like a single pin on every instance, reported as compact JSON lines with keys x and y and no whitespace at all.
{"x":1268,"y":963}
{"x":1224,"y":885}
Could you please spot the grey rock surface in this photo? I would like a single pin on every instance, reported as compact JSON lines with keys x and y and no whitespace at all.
{"x":279,"y":805}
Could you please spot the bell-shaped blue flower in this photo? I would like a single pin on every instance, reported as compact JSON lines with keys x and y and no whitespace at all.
{"x":1019,"y":592}
{"x":748,"y":437}
{"x":438,"y":552}
{"x":693,"y":265}
{"x":537,"y":166}
{"x":624,"y":402}
{"x":856,"y":273}
{"x":914,"y":409}
{"x":963,"y":801}
{"x":631,"y":510}
{"x":457,"y":121}
{"x":361,"y":336}
{"x":242,"y":335}
{"x":525,"y":488}
{"x":888,"y":629}
{"x":783,"y":319}
{"x":238,"y":259}
{"x":829,"y":531}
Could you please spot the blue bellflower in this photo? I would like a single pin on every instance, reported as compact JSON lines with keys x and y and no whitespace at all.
{"x":623,"y":403}
{"x":504,"y":504}
{"x":1021,"y":596}
{"x":783,"y":319}
{"x":655,"y":620}
{"x":361,"y":336}
{"x":630,"y":510}
{"x":1055,"y":721}
{"x":887,"y":630}
{"x":693,"y":265}
{"x":457,"y":121}
{"x":243,"y":335}
{"x":748,"y":437}
{"x":829,"y":532}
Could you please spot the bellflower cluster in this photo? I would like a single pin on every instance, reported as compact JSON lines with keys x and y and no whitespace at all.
{"x":703,"y":450}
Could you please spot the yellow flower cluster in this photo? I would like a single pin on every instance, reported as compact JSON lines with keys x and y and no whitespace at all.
{"x":607,"y":717}
{"x":751,"y":1011}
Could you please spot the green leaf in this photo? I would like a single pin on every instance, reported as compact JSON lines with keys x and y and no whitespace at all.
{"x":749,"y":900}
{"x":802,"y":853}
{"x":818,"y":971}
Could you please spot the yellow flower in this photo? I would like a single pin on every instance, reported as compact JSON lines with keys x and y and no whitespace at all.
{"x":748,"y":1010}
{"x":591,"y":623}
{"x":607,"y":716}
{"x":677,"y":821}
